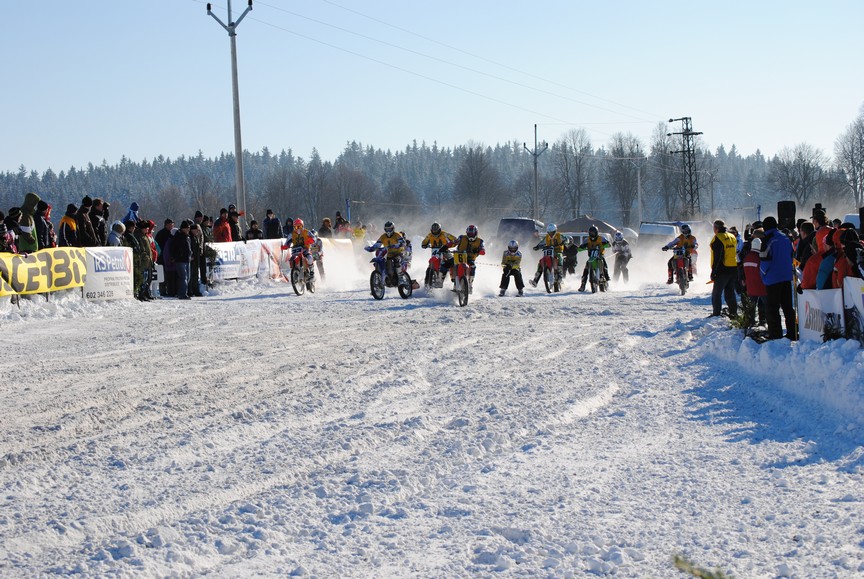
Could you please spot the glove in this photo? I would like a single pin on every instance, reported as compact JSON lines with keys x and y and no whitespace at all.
{"x":425,"y":245}
{"x":713,"y":276}
{"x":799,"y":289}
{"x":664,"y":248}
{"x":368,"y":248}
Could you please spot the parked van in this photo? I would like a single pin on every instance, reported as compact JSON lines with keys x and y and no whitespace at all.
{"x":523,"y":229}
{"x":854,"y":219}
{"x":659,"y":234}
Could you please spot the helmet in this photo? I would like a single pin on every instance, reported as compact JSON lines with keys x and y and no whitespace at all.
{"x":436,"y":228}
{"x":513,"y":245}
{"x":313,"y":233}
{"x":298,"y":223}
{"x":592,"y":232}
{"x":389,"y":228}
{"x":685,"y":229}
{"x":619,"y":236}
{"x":568,"y":241}
{"x":471,"y":231}
{"x":551,"y":228}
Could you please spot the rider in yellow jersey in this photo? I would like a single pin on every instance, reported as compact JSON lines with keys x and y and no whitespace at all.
{"x":438,"y":239}
{"x":553,"y":238}
{"x":471,"y":244}
{"x":594,"y":241}
{"x":688,"y":242}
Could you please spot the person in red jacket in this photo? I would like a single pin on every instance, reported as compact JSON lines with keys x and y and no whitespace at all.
{"x":222,"y":228}
{"x":753,"y":284}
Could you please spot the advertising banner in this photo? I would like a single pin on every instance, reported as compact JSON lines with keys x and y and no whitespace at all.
{"x":43,"y":271}
{"x":853,"y":301}
{"x":109,"y":273}
{"x":819,"y":310}
{"x":236,"y":259}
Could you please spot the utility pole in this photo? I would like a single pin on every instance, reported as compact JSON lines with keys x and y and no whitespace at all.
{"x":231,"y":28}
{"x":638,"y":185}
{"x":690,"y":177}
{"x":536,"y":153}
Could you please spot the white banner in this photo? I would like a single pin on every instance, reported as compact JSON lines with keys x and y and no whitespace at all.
{"x":236,"y":259}
{"x":853,"y":299}
{"x":818,"y":309}
{"x":109,"y":273}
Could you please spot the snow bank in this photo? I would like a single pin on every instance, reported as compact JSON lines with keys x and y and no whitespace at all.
{"x":828,"y":374}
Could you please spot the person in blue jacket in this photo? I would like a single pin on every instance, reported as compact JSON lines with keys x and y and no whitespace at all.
{"x":777,"y":270}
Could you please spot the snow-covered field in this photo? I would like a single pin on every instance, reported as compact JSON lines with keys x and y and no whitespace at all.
{"x":254,"y":432}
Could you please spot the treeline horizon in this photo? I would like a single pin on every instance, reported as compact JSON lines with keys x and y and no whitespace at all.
{"x":574,"y":177}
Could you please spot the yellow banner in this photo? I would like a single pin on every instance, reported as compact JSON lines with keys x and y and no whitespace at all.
{"x":44,"y":271}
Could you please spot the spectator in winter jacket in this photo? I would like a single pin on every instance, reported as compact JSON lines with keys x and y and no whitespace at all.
{"x":27,"y":241}
{"x":254,"y":232}
{"x":7,"y":242}
{"x":97,"y":219}
{"x":196,"y":242}
{"x":168,"y":286}
{"x":272,"y":227}
{"x":181,"y":251}
{"x":43,"y":225}
{"x":222,"y":229}
{"x":724,"y":269}
{"x":149,"y":255}
{"x":753,"y":286}
{"x":67,"y":235}
{"x":326,"y":229}
{"x":825,"y":275}
{"x":777,"y":272}
{"x":115,"y":238}
{"x":132,"y":214}
{"x":86,"y":235}
{"x":823,"y":229}
{"x":234,"y":224}
{"x":804,"y":250}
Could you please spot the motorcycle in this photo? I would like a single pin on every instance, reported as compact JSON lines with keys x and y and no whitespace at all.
{"x":682,"y":266}
{"x":389,"y":272}
{"x":552,"y":274}
{"x":460,"y":274}
{"x":595,"y":271}
{"x":302,"y":274}
{"x":434,"y":277}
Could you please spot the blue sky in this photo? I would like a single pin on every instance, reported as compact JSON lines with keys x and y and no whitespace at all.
{"x":95,"y":80}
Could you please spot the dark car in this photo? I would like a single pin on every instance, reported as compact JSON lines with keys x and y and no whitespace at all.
{"x":524,"y":230}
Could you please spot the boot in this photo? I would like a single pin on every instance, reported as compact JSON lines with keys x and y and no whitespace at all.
{"x":501,"y":293}
{"x":520,"y":294}
{"x":533,"y":282}
{"x":669,"y":281}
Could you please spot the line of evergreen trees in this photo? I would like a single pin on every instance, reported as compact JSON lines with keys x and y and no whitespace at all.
{"x":484,"y":183}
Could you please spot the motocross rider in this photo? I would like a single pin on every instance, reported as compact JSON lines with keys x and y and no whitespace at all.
{"x":621,"y":250}
{"x":395,"y":245}
{"x":511,"y":262}
{"x":436,"y":239}
{"x":316,"y":248}
{"x":471,"y":244}
{"x":553,"y":239}
{"x":688,"y":242}
{"x":594,"y":241}
{"x":300,"y":241}
{"x":570,"y":252}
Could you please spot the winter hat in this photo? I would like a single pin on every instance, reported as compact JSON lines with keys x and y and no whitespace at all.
{"x":87,"y":201}
{"x":769,"y":223}
{"x":134,"y":206}
{"x":130,"y":223}
{"x":118,"y":227}
{"x":71,"y":209}
{"x":199,"y":214}
{"x":41,"y":206}
{"x":269,"y":212}
{"x":15,"y":213}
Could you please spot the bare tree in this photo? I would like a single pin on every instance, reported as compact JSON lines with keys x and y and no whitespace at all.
{"x":621,"y":172}
{"x":849,"y":156}
{"x":574,"y":169}
{"x":798,"y":171}
{"x":477,"y":186}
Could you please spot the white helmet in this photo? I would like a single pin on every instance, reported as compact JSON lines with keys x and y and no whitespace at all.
{"x":513,"y":245}
{"x":619,"y":236}
{"x":551,"y":228}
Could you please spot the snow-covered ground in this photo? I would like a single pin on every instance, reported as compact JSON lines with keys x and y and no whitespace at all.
{"x":257,"y":432}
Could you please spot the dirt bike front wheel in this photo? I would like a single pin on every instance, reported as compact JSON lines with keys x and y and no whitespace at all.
{"x":682,"y":281}
{"x":548,"y":280}
{"x":297,"y":281}
{"x":376,"y":284}
{"x":405,"y":288}
{"x":462,"y":291}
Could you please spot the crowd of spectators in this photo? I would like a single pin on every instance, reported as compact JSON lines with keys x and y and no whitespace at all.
{"x":816,"y":254}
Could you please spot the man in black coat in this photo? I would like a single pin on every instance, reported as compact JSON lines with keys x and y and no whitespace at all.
{"x":181,"y":251}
